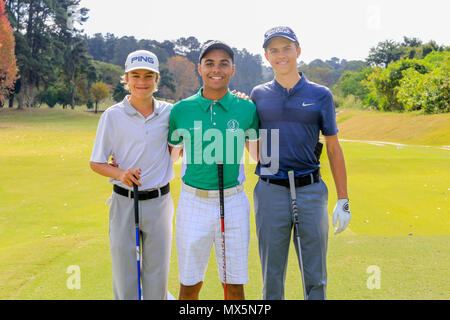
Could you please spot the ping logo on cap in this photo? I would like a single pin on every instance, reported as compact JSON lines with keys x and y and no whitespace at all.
{"x":142,"y":58}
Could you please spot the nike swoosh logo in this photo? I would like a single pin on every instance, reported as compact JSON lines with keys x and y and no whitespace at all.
{"x":307,"y":104}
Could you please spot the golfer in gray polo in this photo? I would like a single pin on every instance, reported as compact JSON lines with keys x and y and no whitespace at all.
{"x":135,"y":133}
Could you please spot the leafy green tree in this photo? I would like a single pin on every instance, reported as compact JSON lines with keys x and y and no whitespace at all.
{"x":97,"y":47}
{"x":383,"y":83}
{"x":351,"y":82}
{"x":75,"y":67}
{"x":107,"y":72}
{"x":166,"y":83}
{"x":119,"y":92}
{"x":430,"y":91}
{"x":123,"y":47}
{"x":328,"y":72}
{"x":411,"y":42}
{"x":110,"y":48}
{"x":188,"y":47}
{"x":99,"y":91}
{"x":384,"y":53}
{"x":437,"y":59}
{"x":40,"y":28}
{"x":321,"y":75}
{"x":248,"y":71}
{"x":64,"y":95}
{"x":183,"y":72}
{"x":49,"y":96}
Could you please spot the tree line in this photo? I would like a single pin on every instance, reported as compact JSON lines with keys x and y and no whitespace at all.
{"x":45,"y":58}
{"x":399,"y":76}
{"x":178,"y":60}
{"x":51,"y":54}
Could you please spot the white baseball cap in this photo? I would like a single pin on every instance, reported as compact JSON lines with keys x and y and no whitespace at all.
{"x":142,"y":59}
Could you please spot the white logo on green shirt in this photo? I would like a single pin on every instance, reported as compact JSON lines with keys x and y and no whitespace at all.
{"x":233,"y":125}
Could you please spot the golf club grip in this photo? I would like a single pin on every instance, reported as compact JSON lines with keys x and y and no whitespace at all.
{"x":220,"y":172}
{"x":136,"y":204}
{"x":292,"y":185}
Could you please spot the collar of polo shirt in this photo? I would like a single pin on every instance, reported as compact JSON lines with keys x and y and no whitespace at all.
{"x":206,"y":103}
{"x":297,"y":86}
{"x":129,"y":109}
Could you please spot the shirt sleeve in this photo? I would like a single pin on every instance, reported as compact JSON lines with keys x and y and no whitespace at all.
{"x":103,"y":141}
{"x":253,"y":95}
{"x":328,"y":124}
{"x":174,"y":138}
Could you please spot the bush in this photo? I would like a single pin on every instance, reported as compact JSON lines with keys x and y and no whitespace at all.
{"x":49,"y":97}
{"x":430,"y":91}
{"x":351,"y":82}
{"x":352,"y":102}
{"x":384,"y":83}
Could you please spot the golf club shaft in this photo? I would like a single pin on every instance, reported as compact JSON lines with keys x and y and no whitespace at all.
{"x":222,"y":223}
{"x":138,"y":246}
{"x":296,"y":221}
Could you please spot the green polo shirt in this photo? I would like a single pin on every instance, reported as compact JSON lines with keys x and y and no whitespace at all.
{"x":213,"y":131}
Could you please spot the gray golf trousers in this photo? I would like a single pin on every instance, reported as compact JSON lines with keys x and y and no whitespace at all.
{"x":156,"y":221}
{"x":273,"y":216}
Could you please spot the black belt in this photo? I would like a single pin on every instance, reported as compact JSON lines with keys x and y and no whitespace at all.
{"x":302,"y":181}
{"x":143,"y":195}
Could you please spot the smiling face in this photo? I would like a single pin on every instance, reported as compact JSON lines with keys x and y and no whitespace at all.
{"x":282,"y":55}
{"x":216,"y":69}
{"x":141,"y":83}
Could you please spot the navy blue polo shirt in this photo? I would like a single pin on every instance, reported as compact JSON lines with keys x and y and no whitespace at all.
{"x":299,"y":115}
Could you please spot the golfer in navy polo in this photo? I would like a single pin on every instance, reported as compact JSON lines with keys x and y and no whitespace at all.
{"x":294,"y":111}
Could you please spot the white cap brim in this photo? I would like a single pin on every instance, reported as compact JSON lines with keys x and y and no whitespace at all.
{"x":141,"y":68}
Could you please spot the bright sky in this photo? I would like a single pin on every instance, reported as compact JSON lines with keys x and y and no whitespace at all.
{"x":346,"y":29}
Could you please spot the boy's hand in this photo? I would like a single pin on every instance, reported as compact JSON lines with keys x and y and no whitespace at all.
{"x":130,"y":176}
{"x":342,"y":213}
{"x":240,"y":95}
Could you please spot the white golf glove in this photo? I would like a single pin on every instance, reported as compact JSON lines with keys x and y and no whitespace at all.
{"x":342,"y":213}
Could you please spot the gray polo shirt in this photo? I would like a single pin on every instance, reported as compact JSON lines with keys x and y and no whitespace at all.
{"x":136,"y":142}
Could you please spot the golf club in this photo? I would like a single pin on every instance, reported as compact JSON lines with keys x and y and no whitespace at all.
{"x":295,"y":217}
{"x":138,"y":246}
{"x":222,"y":218}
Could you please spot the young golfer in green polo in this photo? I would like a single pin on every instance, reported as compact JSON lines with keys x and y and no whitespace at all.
{"x":213,"y":126}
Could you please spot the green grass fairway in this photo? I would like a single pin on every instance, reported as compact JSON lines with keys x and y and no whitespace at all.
{"x":53,"y":215}
{"x":409,"y":128}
